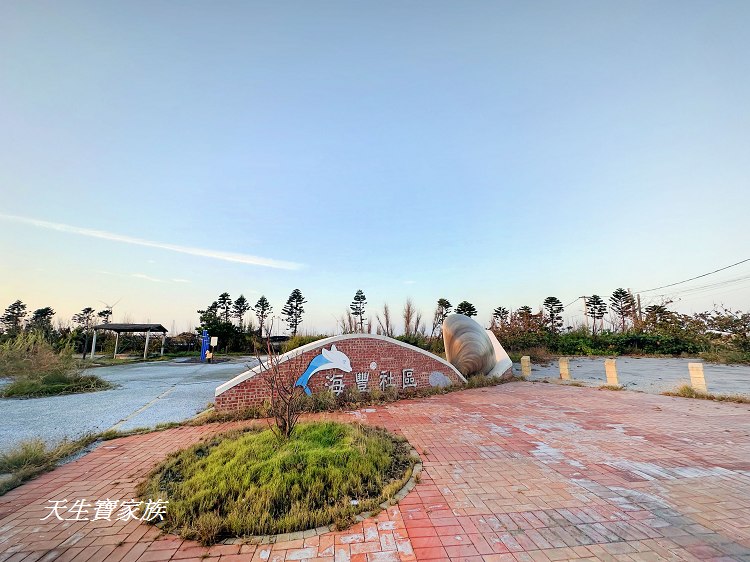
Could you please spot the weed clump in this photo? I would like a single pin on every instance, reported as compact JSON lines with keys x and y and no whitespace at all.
{"x":687,"y":391}
{"x":32,"y":457}
{"x":38,"y":370}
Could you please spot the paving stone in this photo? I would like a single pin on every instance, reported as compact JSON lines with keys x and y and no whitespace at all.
{"x":518,"y":472}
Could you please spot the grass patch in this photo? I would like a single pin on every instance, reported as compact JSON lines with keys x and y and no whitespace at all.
{"x":251,"y":483}
{"x":687,"y":391}
{"x":52,"y":384}
{"x":615,"y":387}
{"x":38,"y":370}
{"x":32,"y":457}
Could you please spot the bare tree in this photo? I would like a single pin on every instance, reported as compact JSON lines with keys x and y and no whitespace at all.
{"x":287,"y":400}
{"x":409,"y":313}
{"x":384,"y":323}
{"x":419,"y":326}
{"x":348,"y":323}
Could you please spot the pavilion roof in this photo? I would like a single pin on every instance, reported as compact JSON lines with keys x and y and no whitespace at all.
{"x":132,"y":328}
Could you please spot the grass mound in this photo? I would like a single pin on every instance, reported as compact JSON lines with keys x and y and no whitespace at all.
{"x":251,"y":483}
{"x":51,"y":384}
{"x":38,"y":370}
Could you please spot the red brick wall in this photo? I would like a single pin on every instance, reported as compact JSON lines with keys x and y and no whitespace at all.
{"x":362,"y":350}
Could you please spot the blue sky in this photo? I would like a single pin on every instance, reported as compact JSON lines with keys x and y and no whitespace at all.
{"x":498,"y":152}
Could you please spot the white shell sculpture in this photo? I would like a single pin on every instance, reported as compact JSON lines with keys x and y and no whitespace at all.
{"x":467,"y":346}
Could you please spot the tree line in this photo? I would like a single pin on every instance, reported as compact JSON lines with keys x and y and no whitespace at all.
{"x":614,"y":325}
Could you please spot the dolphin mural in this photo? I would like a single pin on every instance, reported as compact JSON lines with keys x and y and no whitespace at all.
{"x":328,"y":359}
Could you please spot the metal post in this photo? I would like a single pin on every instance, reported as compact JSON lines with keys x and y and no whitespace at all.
{"x":93,"y":345}
{"x":163,"y":338}
{"x":117,"y":339}
{"x":145,"y":349}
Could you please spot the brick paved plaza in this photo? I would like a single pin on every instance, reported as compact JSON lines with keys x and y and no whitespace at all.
{"x":522,"y":471}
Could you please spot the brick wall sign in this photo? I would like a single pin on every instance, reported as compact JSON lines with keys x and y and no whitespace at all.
{"x":361,"y":361}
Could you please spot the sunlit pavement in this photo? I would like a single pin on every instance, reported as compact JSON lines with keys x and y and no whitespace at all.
{"x":522,"y":471}
{"x":649,"y":374}
{"x":146,"y":394}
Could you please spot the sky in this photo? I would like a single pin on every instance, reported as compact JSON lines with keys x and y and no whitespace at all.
{"x":156,"y":154}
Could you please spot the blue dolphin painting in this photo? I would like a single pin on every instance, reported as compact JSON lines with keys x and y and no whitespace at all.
{"x":328,"y":359}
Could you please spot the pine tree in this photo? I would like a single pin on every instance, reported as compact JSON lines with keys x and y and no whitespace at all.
{"x":263,"y":310}
{"x":623,"y":305}
{"x":525,"y":315}
{"x":83,"y":318}
{"x":13,"y":317}
{"x":466,"y":308}
{"x":596,"y":308}
{"x":500,"y":315}
{"x":358,"y":308}
{"x":225,"y":305}
{"x":239,"y":309}
{"x":554,"y":308}
{"x":293,"y":310}
{"x":41,"y":320}
{"x":105,"y":315}
{"x":442,"y":310}
{"x":210,"y":315}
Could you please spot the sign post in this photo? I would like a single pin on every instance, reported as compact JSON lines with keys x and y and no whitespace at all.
{"x":204,"y":345}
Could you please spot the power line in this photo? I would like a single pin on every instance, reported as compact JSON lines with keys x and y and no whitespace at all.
{"x":694,"y":278}
{"x":573,"y":301}
{"x":706,"y":287}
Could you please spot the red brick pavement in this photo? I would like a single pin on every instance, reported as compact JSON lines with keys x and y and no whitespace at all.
{"x":517,"y":472}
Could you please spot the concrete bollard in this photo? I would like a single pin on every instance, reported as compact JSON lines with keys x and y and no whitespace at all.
{"x":610,"y":368}
{"x":525,"y":366}
{"x":564,"y":368}
{"x":697,"y":380}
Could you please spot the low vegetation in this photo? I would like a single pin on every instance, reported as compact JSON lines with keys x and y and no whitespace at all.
{"x":687,"y":391}
{"x":719,"y":336}
{"x":251,"y":482}
{"x":349,"y":399}
{"x":614,"y":387}
{"x":32,"y":457}
{"x":37,"y":369}
{"x":300,"y":340}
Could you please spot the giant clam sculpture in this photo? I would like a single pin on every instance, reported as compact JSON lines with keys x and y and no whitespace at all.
{"x":467,"y":346}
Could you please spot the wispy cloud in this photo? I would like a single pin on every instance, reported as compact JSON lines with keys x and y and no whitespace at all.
{"x":410,"y":282}
{"x":146,"y":277}
{"x":201,"y":252}
{"x":180,"y":280}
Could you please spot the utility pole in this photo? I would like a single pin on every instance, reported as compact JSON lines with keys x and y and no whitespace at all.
{"x":640,"y":313}
{"x":585,"y":312}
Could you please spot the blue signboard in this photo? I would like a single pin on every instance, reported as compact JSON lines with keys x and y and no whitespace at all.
{"x":205,"y":341}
